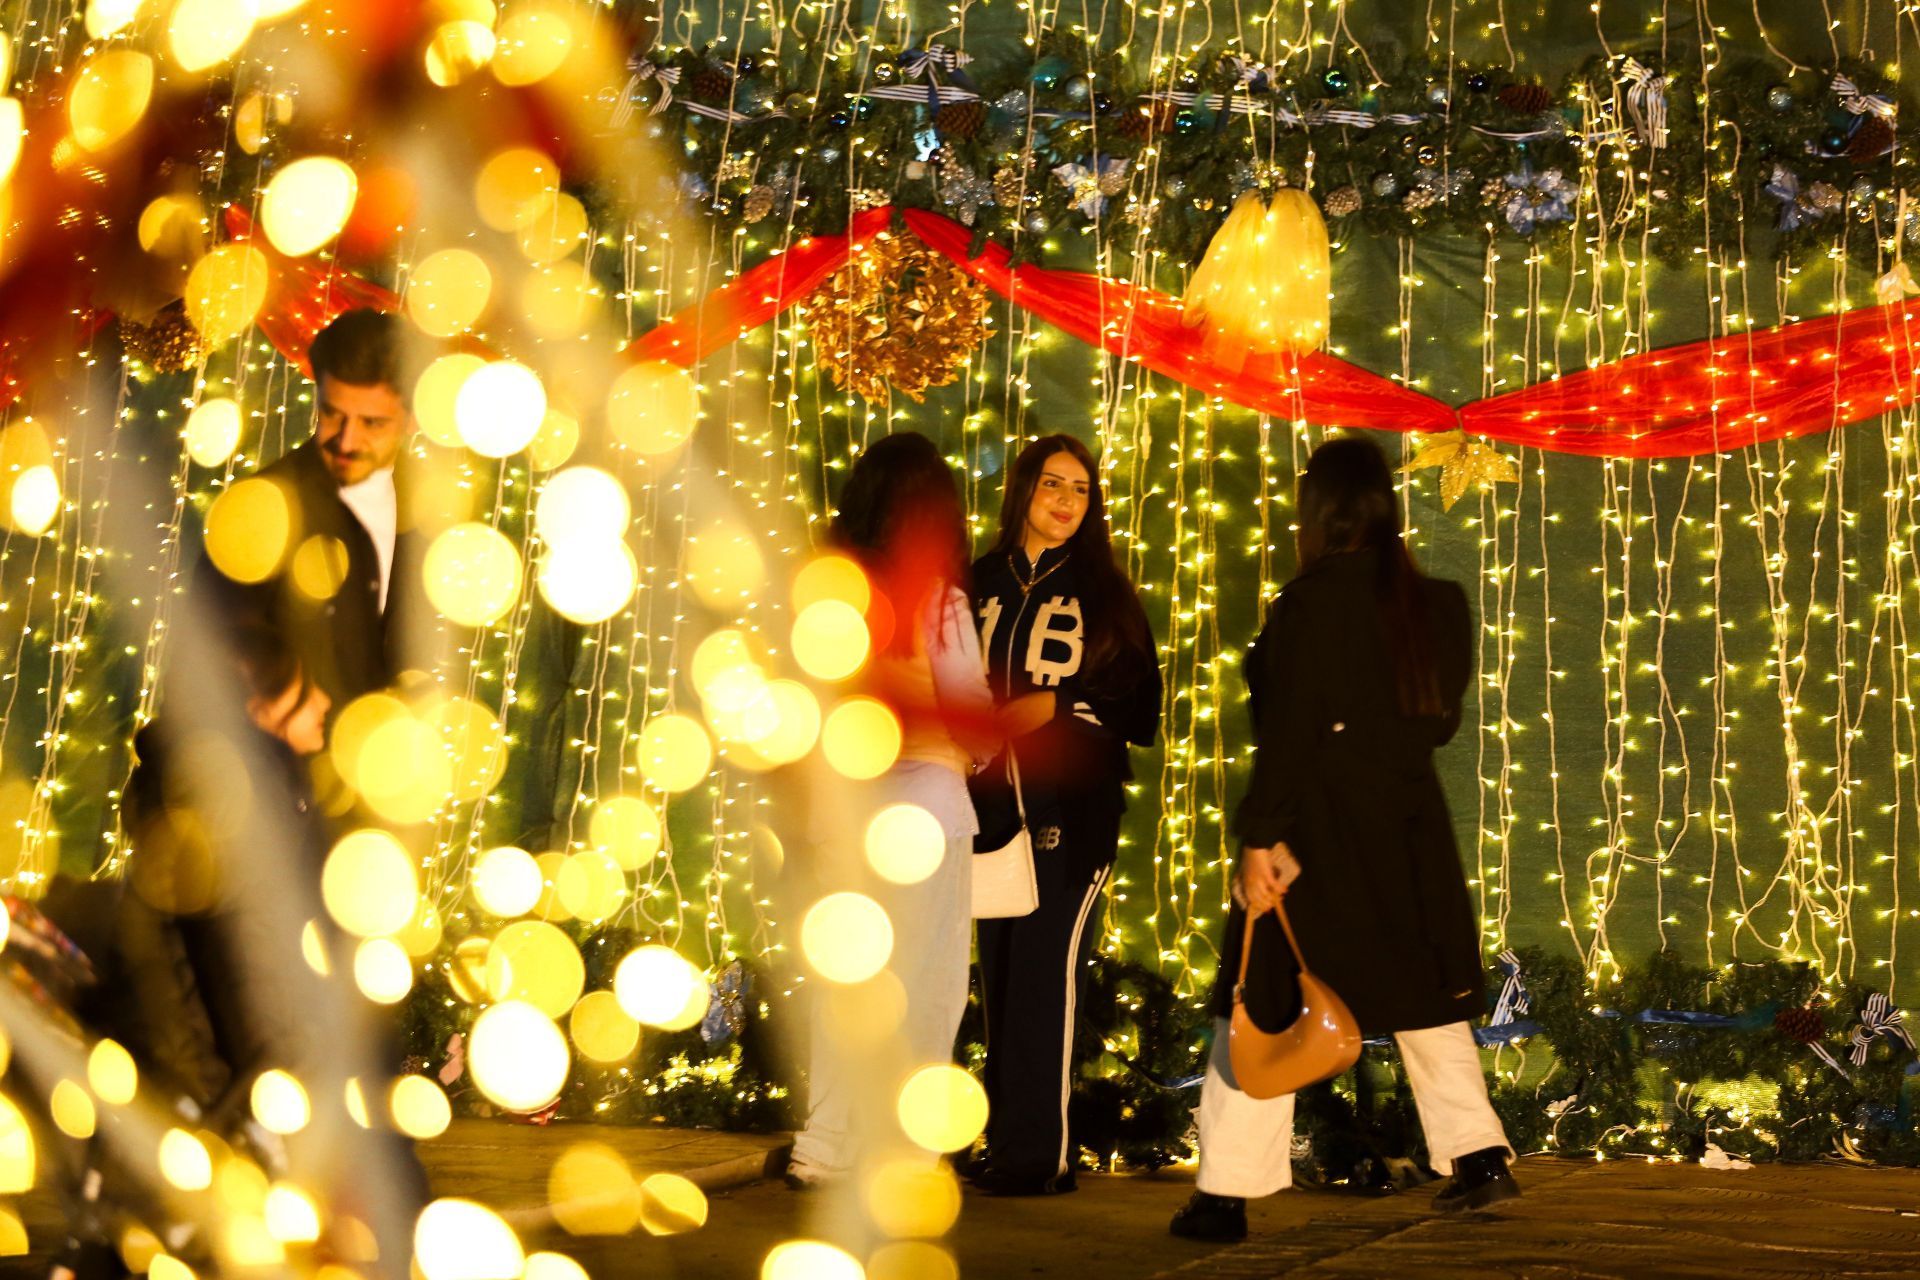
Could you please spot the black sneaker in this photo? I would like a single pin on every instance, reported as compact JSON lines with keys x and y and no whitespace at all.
{"x":1479,"y":1180}
{"x":997,"y":1182}
{"x":1210,"y":1217}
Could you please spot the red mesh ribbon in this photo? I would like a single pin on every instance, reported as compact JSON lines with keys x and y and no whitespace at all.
{"x":1719,"y":394}
{"x":1723,"y":393}
{"x":1144,"y":326}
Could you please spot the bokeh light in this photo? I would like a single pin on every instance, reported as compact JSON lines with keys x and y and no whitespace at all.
{"x":912,"y":1197}
{"x":830,"y":640}
{"x":673,"y":752}
{"x":205,"y":33}
{"x":517,"y":1057}
{"x":109,"y":96}
{"x":506,"y":881}
{"x":476,"y":743}
{"x":553,"y":1266}
{"x":184,"y":1161}
{"x":368,"y":884}
{"x":72,"y":1110}
{"x":724,"y":565}
{"x":320,"y":566}
{"x":33,"y":500}
{"x":671,"y":1204}
{"x":111,"y":1073}
{"x":420,"y":1107}
{"x":436,"y":393}
{"x":912,"y":1260}
{"x":861,"y":738}
{"x":248,"y":527}
{"x":588,"y":582}
{"x":652,"y":406}
{"x":831,"y":578}
{"x":942,"y":1108}
{"x":382,"y":970}
{"x":291,"y":1215}
{"x":457,"y":50}
{"x":306,"y":204}
{"x":212,"y":432}
{"x":461,"y":1240}
{"x":626,"y":829}
{"x":448,"y":292}
{"x":557,"y":299}
{"x":659,"y":988}
{"x":591,"y":886}
{"x":592,"y":1191}
{"x":905,"y":844}
{"x":533,"y":44}
{"x":225,"y":291}
{"x":514,"y":186}
{"x":554,"y":443}
{"x":556,"y":231}
{"x":280,"y":1102}
{"x":472,"y":574}
{"x":846,"y":937}
{"x":602,"y":1031}
{"x":581,"y":504}
{"x":810,"y":1260}
{"x":533,"y":962}
{"x":499,"y":408}
{"x":17,"y":1152}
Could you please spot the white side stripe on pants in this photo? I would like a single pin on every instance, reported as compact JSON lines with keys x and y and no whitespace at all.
{"x":1066,"y":1040}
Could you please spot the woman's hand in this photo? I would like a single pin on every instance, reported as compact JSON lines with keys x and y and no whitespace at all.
{"x":1265,"y":876}
{"x":1026,"y":713}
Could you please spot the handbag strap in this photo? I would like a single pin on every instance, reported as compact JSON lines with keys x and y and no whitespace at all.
{"x":1246,"y":946}
{"x":1013,"y":773}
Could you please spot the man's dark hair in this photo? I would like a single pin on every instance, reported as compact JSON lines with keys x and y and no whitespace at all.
{"x":364,"y":348}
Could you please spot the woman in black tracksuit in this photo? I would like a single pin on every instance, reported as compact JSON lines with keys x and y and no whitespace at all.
{"x":1071,"y":657}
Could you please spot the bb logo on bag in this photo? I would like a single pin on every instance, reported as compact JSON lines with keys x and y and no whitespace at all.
{"x":1056,"y":644}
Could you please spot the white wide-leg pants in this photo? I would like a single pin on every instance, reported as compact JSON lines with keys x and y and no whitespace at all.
{"x":1246,"y":1145}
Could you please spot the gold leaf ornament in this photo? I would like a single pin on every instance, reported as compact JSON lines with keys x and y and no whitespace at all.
{"x":896,"y":317}
{"x":1463,"y":463}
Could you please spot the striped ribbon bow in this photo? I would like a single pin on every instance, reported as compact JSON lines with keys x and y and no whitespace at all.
{"x":1646,"y":102}
{"x":644,"y":69}
{"x":1861,"y":104}
{"x":926,"y":65}
{"x":1514,"y":999}
{"x":1881,"y":1017}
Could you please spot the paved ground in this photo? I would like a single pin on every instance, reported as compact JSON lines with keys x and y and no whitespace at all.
{"x":1578,"y":1219}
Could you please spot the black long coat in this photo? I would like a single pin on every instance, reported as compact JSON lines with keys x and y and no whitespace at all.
{"x":347,"y":644}
{"x":1381,"y":907}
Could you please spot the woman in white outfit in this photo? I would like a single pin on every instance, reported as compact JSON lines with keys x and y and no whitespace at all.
{"x":1355,"y":681}
{"x":901,"y":518}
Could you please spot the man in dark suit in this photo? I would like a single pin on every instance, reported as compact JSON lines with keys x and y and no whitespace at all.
{"x":347,"y":594}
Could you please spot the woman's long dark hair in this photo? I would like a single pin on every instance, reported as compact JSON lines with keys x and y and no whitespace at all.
{"x":900,"y":516}
{"x":1116,"y":625}
{"x":1347,"y":503}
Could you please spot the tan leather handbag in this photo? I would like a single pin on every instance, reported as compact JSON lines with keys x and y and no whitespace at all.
{"x":1321,"y":1043}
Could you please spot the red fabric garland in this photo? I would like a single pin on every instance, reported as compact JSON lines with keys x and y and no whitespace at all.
{"x":1720,"y":394}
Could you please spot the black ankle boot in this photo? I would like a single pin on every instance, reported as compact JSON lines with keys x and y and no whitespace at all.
{"x":1210,"y":1217}
{"x":1478,"y":1180}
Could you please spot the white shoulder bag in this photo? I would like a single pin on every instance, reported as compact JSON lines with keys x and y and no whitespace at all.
{"x":1003,"y":881}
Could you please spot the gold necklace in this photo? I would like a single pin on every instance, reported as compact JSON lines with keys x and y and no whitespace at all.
{"x":1028,"y":584}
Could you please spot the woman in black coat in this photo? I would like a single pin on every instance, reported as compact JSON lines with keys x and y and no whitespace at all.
{"x":1355,"y":680}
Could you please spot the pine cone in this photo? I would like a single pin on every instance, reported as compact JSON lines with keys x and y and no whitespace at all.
{"x":1803,"y":1025}
{"x":1525,"y":99}
{"x":1343,"y":201}
{"x":961,"y":120}
{"x":712,"y":84}
{"x":1873,"y":139}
